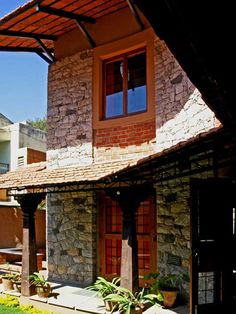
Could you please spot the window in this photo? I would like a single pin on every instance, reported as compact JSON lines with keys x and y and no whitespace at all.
{"x":124,"y":81}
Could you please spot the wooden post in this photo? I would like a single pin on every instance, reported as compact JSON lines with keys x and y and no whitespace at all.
{"x":29,"y":204}
{"x":129,"y":249}
{"x":129,"y":200}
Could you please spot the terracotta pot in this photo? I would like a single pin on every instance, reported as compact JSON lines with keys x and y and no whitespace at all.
{"x":133,"y":310}
{"x":169,"y":298}
{"x":43,"y":291}
{"x":7,"y":284}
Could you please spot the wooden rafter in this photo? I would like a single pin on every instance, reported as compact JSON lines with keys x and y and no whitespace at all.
{"x":45,"y":58}
{"x":23,"y":49}
{"x":45,"y":49}
{"x":78,"y":18}
{"x":27,"y":35}
{"x":135,"y":14}
{"x":66,"y":14}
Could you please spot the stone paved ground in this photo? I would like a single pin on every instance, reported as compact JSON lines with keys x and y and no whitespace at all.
{"x":71,"y":299}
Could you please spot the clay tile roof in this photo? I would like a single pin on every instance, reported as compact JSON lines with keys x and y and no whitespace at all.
{"x":45,"y":20}
{"x":37,"y":175}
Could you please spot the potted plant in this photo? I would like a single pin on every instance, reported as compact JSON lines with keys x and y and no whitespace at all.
{"x":42,"y":287}
{"x":17,"y":283}
{"x":167,"y":286}
{"x":130,"y":303}
{"x":8,"y":280}
{"x":104,"y":288}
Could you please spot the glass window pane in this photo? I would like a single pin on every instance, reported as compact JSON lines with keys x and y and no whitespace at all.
{"x":114,"y":89}
{"x":137,"y":83}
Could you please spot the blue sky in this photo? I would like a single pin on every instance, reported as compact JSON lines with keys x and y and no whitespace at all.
{"x":23,"y":79}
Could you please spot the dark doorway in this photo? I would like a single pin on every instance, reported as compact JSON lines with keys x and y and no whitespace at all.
{"x":213,"y":245}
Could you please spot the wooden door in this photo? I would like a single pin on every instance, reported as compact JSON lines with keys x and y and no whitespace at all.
{"x":110,"y":225}
{"x":213,"y":246}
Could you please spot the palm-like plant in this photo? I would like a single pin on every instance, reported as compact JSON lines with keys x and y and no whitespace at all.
{"x":128,"y":301}
{"x":104,"y":287}
{"x":43,"y":288}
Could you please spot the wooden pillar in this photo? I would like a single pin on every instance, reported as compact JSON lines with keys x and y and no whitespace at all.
{"x":129,"y":200}
{"x":29,"y":204}
{"x":129,"y":249}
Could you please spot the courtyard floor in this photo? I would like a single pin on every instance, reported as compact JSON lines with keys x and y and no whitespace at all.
{"x":66,"y":299}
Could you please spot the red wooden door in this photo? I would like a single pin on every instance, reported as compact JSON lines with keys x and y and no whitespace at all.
{"x":110,"y":225}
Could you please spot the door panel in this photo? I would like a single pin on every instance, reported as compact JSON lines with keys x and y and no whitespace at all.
{"x":213,"y":243}
{"x":110,"y":224}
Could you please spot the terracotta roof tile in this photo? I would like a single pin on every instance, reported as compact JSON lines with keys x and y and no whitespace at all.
{"x":36,"y":175}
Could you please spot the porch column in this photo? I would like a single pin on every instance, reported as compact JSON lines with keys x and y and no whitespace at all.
{"x":129,"y":200}
{"x":29,"y":204}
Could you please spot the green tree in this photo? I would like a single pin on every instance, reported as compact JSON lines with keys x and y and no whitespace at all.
{"x":39,"y":123}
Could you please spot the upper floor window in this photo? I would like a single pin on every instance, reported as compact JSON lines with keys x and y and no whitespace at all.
{"x":124,"y":83}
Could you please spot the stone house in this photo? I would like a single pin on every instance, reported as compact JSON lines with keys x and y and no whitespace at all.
{"x":130,"y":147}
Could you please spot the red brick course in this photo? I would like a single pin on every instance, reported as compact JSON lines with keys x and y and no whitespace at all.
{"x":124,"y":136}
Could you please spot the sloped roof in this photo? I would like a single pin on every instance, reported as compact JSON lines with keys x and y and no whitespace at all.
{"x":37,"y":174}
{"x":37,"y":24}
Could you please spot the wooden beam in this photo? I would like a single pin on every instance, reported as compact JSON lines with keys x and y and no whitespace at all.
{"x":86,"y":33}
{"x":45,"y":49}
{"x":29,"y":204}
{"x":27,"y":35}
{"x":66,"y":14}
{"x":129,"y":200}
{"x":22,"y":49}
{"x":45,"y":58}
{"x":135,"y":14}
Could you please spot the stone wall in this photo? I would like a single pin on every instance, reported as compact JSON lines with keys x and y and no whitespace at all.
{"x":72,"y":238}
{"x":70,"y":110}
{"x":173,"y":221}
{"x":180,"y":111}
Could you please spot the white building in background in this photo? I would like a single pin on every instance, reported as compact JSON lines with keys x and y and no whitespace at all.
{"x":20,"y":144}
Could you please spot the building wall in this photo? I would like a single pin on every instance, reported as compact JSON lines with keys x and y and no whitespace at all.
{"x":11,"y":227}
{"x":72,"y":237}
{"x":173,"y":220}
{"x":5,"y":152}
{"x":70,"y":110}
{"x":31,"y":137}
{"x":74,"y":137}
{"x":180,"y":111}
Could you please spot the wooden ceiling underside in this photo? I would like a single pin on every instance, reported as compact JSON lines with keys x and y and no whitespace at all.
{"x":38,"y":23}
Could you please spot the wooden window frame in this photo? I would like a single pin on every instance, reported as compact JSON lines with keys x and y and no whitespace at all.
{"x":142,"y":40}
{"x":124,"y":58}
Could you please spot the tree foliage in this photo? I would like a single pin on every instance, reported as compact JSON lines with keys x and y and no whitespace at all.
{"x":39,"y":123}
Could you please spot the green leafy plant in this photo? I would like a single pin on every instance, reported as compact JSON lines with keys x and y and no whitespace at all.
{"x":10,"y":276}
{"x":38,"y":279}
{"x":127,"y":301}
{"x":166,"y":282}
{"x":104,"y":287}
{"x":43,"y":288}
{"x":11,"y":302}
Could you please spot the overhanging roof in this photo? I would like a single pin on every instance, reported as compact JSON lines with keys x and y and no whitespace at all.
{"x":37,"y":24}
{"x":150,"y":169}
{"x":37,"y":174}
{"x":200,"y":34}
